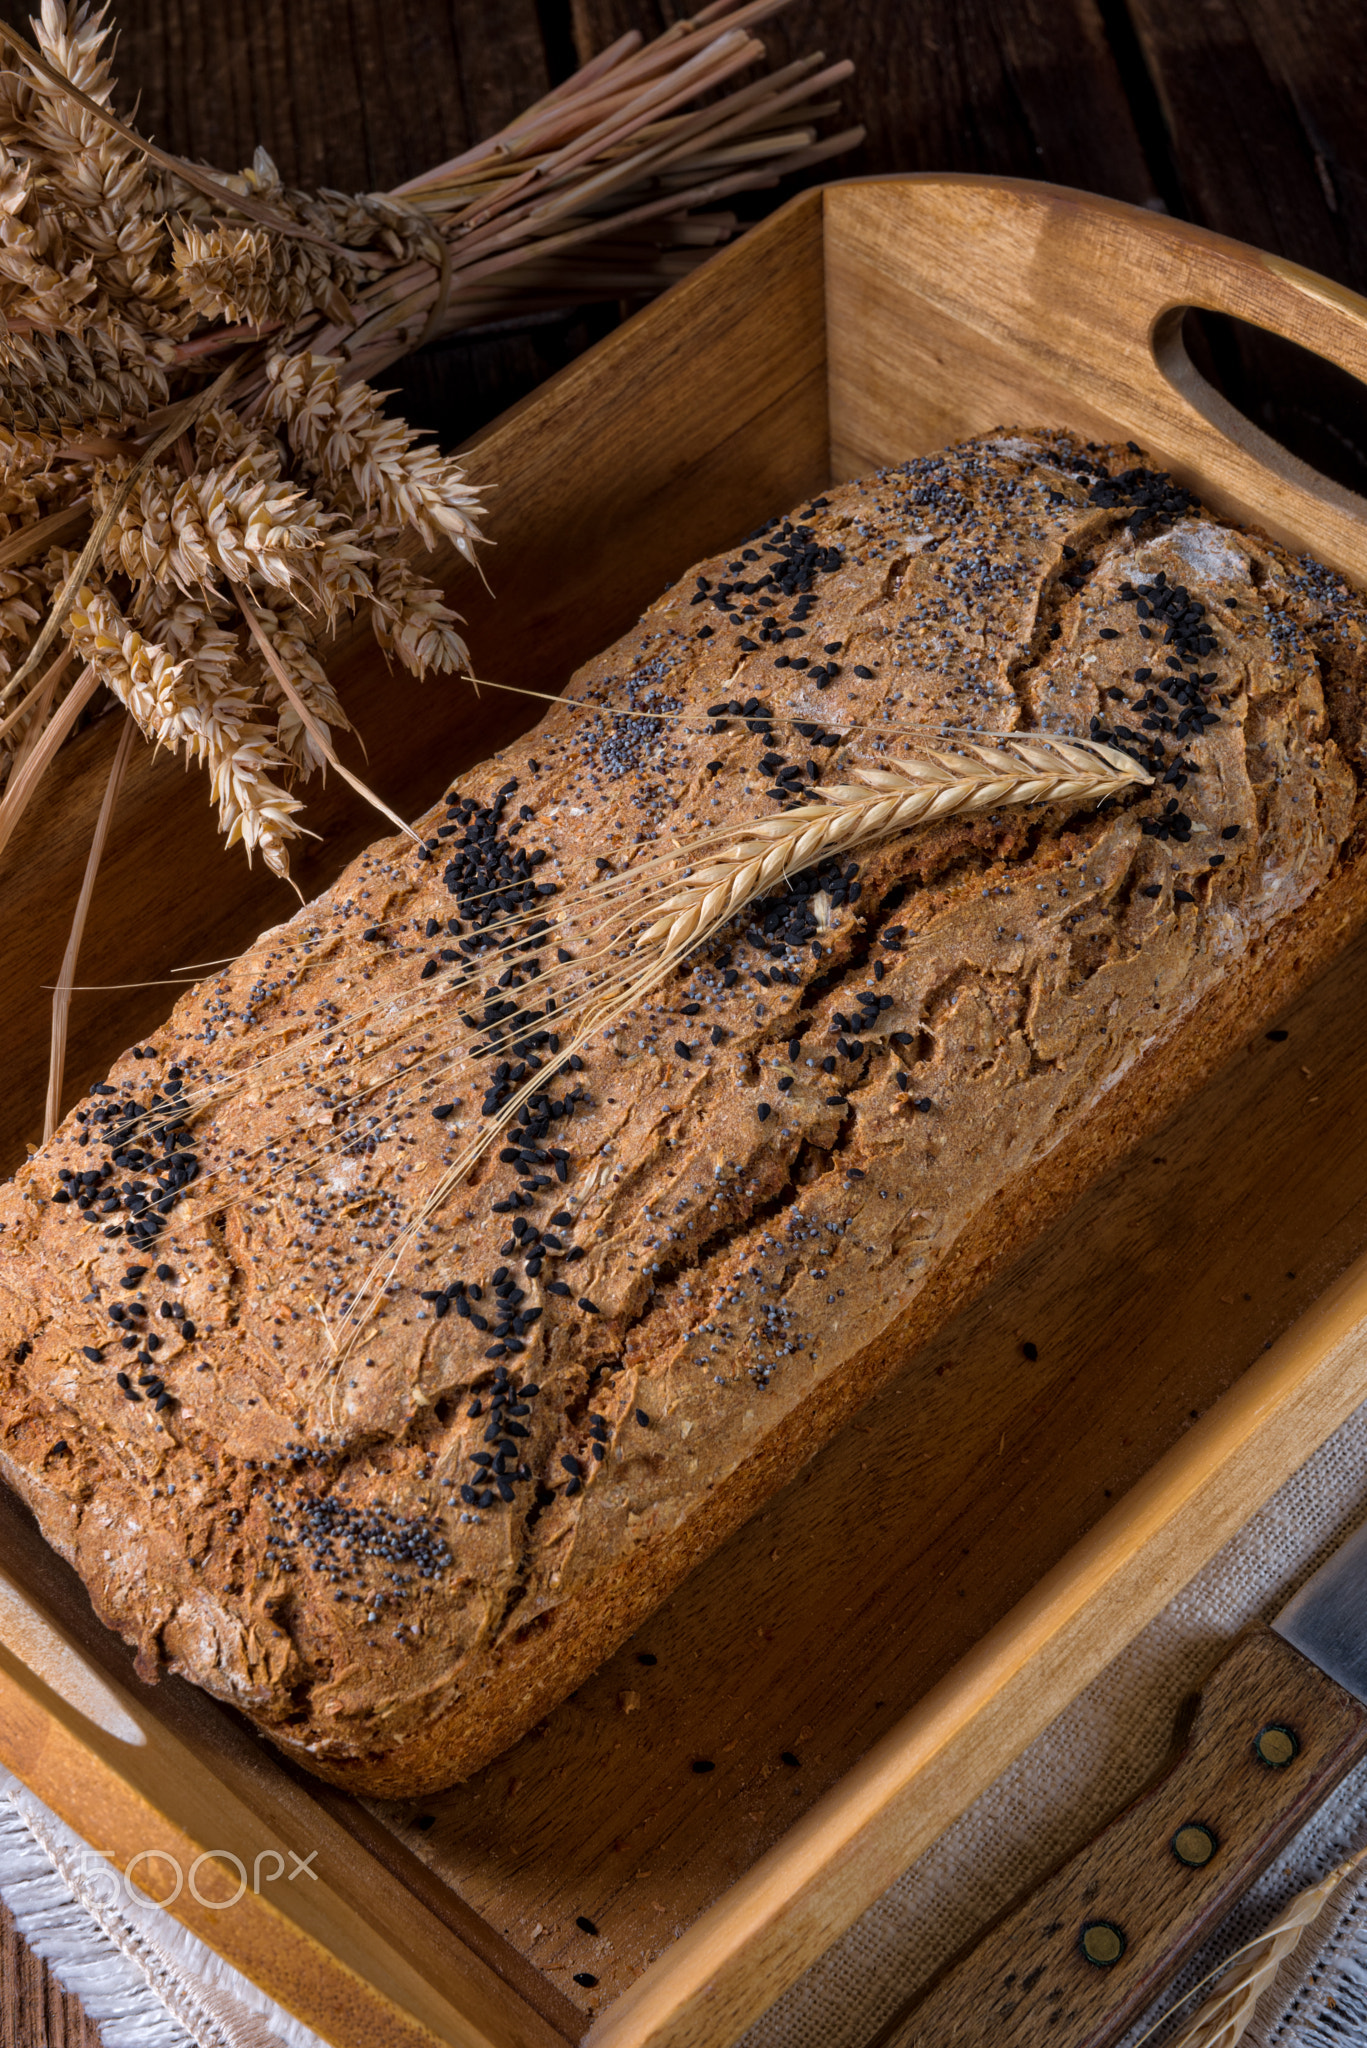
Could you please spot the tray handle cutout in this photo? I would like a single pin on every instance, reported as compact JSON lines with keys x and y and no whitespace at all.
{"x":1136,"y":277}
{"x":1304,"y":402}
{"x":959,"y":304}
{"x":1174,"y":361}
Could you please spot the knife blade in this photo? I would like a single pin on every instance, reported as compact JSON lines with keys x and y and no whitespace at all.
{"x":1277,"y":1725}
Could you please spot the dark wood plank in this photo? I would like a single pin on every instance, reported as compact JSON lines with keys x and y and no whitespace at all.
{"x":1260,"y":116}
{"x":359,"y":94}
{"x":1023,"y":88}
{"x":34,"y":2011}
{"x":1263,"y":109}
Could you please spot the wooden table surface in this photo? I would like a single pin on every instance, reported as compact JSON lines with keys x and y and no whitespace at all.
{"x":1245,"y":115}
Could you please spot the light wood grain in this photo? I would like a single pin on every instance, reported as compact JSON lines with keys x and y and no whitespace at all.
{"x":968,"y":301}
{"x":955,"y":1545}
{"x":1031,"y":1979}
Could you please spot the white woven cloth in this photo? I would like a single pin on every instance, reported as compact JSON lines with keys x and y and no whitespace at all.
{"x":151,"y":1985}
{"x":138,"y":1973}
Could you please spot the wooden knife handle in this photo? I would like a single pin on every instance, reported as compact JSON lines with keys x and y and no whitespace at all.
{"x":1078,"y":1961}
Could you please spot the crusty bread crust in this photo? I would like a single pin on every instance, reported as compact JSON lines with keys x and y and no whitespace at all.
{"x":300,"y":1525}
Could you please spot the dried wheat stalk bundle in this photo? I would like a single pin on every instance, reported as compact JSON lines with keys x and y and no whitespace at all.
{"x":198,"y":482}
{"x":128,"y":279}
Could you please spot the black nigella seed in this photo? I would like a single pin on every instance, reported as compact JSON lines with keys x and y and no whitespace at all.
{"x":89,"y":1351}
{"x":585,"y":1924}
{"x":702,"y":1763}
{"x":586,"y":1978}
{"x":646,"y":1657}
{"x":187,"y":1330}
{"x":590,"y":1308}
{"x":1277,"y":1037}
{"x":1229,"y":832}
{"x":785,"y":1756}
{"x":643,"y":1418}
{"x":763,"y":1111}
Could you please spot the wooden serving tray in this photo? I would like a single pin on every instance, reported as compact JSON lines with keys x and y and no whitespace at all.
{"x":880,"y":1642}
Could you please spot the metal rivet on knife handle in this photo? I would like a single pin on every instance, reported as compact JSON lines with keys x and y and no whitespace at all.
{"x":1194,"y":1844}
{"x":1102,"y":1942}
{"x":1276,"y":1745}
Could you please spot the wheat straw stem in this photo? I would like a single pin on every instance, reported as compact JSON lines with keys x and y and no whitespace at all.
{"x":21,"y":786}
{"x":833,"y":721}
{"x":61,"y":1000}
{"x":757,"y":858}
{"x":720,"y":59}
{"x":1213,"y":2026}
{"x":769,"y":853}
{"x":37,"y":702}
{"x":306,"y":717}
{"x":29,"y":541}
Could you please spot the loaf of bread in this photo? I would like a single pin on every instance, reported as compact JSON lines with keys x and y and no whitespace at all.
{"x":388,"y":1439}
